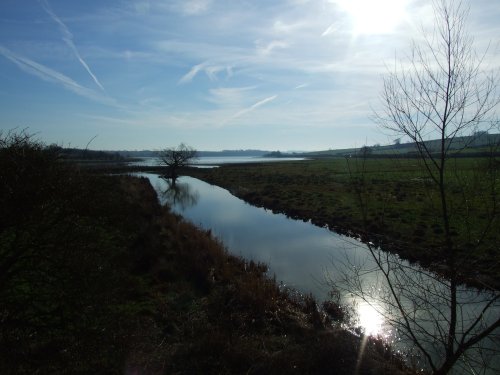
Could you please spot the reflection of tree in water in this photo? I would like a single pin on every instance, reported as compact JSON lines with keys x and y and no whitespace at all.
{"x":179,"y":194}
{"x":418,"y":304}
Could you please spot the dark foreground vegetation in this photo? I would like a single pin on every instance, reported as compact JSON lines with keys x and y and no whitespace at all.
{"x":399,"y":210}
{"x":97,"y":277}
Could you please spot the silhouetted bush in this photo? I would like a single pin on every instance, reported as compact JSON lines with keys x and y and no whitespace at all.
{"x":66,"y":248}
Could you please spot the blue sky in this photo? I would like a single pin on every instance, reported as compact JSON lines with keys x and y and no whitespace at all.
{"x":215,"y":74}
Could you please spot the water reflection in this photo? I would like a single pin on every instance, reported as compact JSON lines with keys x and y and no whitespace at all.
{"x":299,"y":254}
{"x":178,"y":194}
{"x":441,"y":320}
{"x":296,"y":252}
{"x":370,"y":318}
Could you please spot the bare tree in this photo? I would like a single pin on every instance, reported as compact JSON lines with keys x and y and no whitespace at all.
{"x":175,"y":158}
{"x":424,"y":309}
{"x":443,"y":92}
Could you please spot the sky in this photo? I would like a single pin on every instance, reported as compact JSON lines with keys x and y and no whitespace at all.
{"x":214,"y":74}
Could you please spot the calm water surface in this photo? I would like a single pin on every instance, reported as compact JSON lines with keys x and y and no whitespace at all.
{"x":298,"y":253}
{"x":214,"y":161}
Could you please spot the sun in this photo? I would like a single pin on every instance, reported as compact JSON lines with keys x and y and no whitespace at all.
{"x":373,"y":16}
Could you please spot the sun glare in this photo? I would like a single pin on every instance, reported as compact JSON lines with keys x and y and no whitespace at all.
{"x":374,"y":17}
{"x":370,"y":319}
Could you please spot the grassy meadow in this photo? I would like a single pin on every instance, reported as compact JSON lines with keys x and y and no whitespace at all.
{"x":391,"y":202}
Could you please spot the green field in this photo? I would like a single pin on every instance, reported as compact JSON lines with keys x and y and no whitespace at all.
{"x":389,"y":201}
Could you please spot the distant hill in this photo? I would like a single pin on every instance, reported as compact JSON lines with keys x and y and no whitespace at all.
{"x":476,"y":144}
{"x":137,"y":154}
{"x":233,"y":153}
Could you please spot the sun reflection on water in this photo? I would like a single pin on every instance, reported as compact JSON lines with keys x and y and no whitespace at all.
{"x":370,"y":320}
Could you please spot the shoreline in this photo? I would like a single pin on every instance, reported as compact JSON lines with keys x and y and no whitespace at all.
{"x":470,"y":274}
{"x":473,"y":275}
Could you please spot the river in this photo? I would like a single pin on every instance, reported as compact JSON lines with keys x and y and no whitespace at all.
{"x":310,"y":259}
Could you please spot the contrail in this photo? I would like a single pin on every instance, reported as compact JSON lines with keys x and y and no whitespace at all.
{"x":253,"y":107}
{"x":301,"y":86}
{"x":47,"y":74}
{"x":68,"y":39}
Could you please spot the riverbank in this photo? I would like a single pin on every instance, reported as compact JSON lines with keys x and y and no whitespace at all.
{"x":399,"y":209}
{"x":98,"y":277}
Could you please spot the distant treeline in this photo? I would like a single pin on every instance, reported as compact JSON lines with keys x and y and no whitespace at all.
{"x":84,"y":154}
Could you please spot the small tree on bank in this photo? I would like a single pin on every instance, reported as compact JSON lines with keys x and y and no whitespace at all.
{"x":176,"y":158}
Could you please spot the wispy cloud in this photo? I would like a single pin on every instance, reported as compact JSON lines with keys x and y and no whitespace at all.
{"x":266,"y":49}
{"x":330,"y":30}
{"x":192,"y":7}
{"x":112,"y":120}
{"x":68,"y":39}
{"x":210,"y":70}
{"x":301,"y":86}
{"x":253,"y":107}
{"x":196,"y":6}
{"x":228,"y":69}
{"x":50,"y":75}
{"x":188,"y":77}
{"x":229,"y":97}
